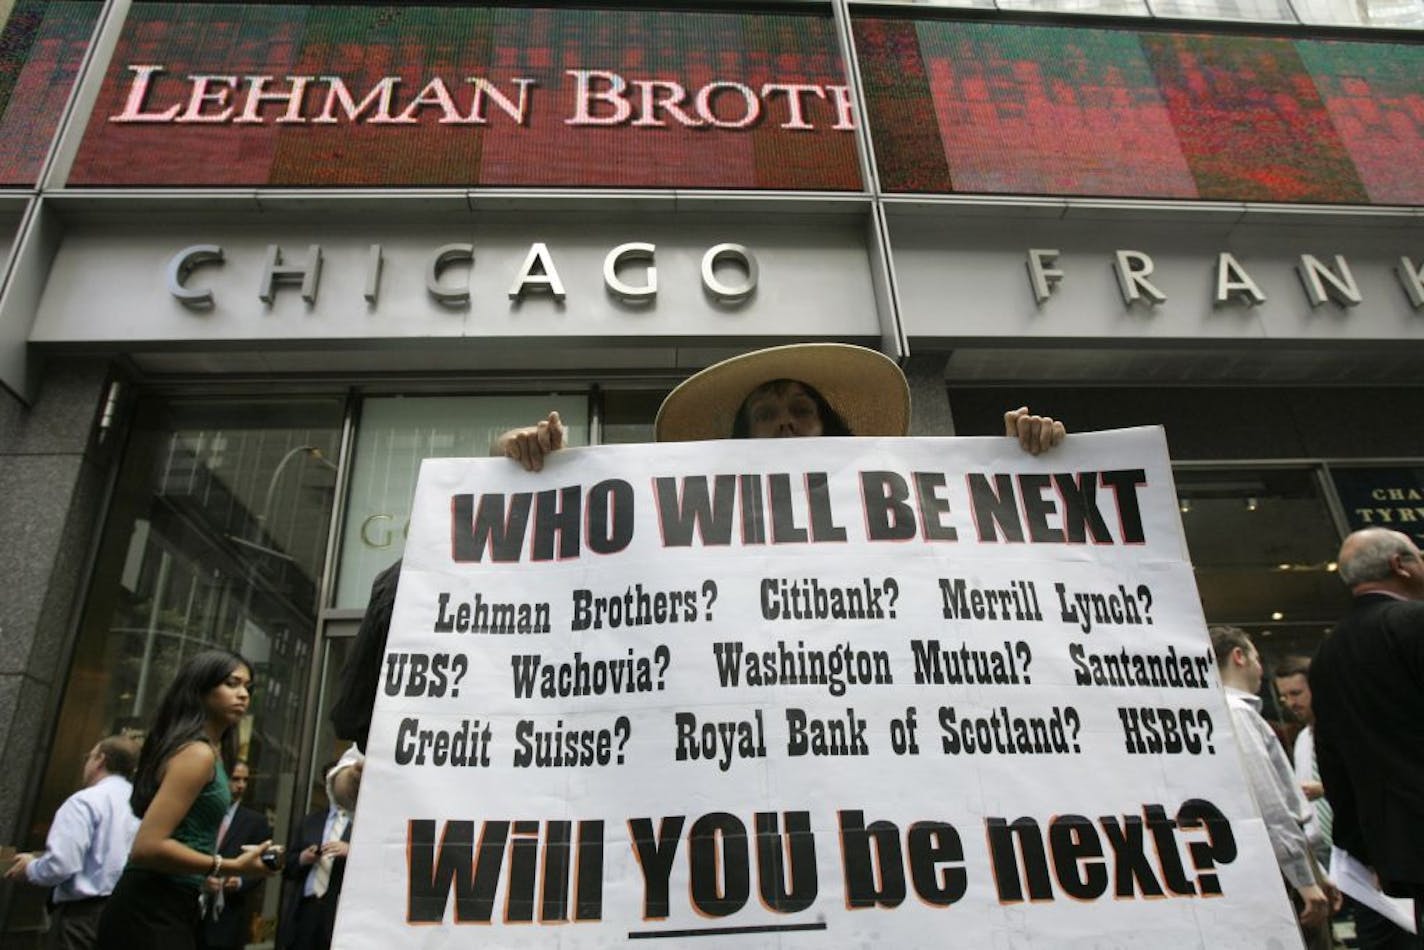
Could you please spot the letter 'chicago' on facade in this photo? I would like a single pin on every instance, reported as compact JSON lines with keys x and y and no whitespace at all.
{"x":629,"y":273}
{"x":598,"y":97}
{"x":729,"y":273}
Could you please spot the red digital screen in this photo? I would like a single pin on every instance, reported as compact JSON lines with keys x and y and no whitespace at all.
{"x":357,"y":95}
{"x":41,"y":48}
{"x":1005,"y":108}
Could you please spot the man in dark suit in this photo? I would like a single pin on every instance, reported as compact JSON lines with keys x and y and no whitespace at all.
{"x":316,"y":862}
{"x":1367,"y":688}
{"x":226,"y":919}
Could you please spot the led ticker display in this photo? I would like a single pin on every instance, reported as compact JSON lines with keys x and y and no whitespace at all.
{"x":1375,"y":98}
{"x":358,"y":95}
{"x":1075,"y":111}
{"x":41,"y":48}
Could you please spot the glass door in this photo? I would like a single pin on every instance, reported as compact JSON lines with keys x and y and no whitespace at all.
{"x":216,"y":537}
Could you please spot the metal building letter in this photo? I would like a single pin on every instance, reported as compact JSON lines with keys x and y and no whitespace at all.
{"x":1413,"y":280}
{"x":374,"y":264}
{"x":1316,"y":275}
{"x":448,"y":254}
{"x":1231,"y":278}
{"x":183,"y":264}
{"x":1040,"y":275}
{"x":546,"y":279}
{"x":726,"y":293}
{"x":636,"y":251}
{"x":1132,"y":269}
{"x":275,"y":272}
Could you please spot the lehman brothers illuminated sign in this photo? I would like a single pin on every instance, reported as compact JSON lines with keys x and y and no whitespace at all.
{"x":596,"y":97}
{"x":464,"y":95}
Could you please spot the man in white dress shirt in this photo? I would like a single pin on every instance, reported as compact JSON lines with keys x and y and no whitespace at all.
{"x":1282,"y":804}
{"x":87,"y":846}
{"x":1292,"y":678}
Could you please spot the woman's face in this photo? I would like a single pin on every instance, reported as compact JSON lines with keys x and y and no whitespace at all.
{"x":228,"y":700}
{"x":782,"y":411}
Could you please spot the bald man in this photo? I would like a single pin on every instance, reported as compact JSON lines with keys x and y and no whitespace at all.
{"x":1367,"y":693}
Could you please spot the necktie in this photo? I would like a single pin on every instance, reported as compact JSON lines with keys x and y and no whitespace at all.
{"x":322,"y":871}
{"x":226,"y":824}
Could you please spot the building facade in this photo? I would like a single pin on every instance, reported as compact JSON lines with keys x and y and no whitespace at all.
{"x":261,"y":259}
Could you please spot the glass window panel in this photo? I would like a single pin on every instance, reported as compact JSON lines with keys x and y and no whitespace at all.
{"x":9,"y":229}
{"x":1263,"y":545}
{"x":980,"y":4}
{"x":628,"y":416}
{"x":216,"y":537}
{"x":1399,"y":14}
{"x":1113,"y":7}
{"x":396,"y":433}
{"x":1271,"y":11}
{"x":328,"y":748}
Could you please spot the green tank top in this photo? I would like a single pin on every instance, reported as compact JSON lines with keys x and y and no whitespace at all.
{"x":199,"y":828}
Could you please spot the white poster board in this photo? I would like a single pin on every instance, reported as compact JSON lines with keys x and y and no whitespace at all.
{"x":830,"y":693}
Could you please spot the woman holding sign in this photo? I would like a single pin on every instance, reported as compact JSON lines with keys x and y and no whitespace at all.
{"x":796,"y":391}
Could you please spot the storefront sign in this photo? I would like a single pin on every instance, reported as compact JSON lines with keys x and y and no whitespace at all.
{"x":537,"y":274}
{"x":847,"y":693}
{"x":1321,"y":282}
{"x":1189,"y":277}
{"x":1390,"y":498}
{"x":1019,"y":109}
{"x":533,"y":276}
{"x":455,"y":95}
{"x":597,"y":97}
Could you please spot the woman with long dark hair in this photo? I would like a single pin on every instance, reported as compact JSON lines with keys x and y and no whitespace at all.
{"x":180,"y":794}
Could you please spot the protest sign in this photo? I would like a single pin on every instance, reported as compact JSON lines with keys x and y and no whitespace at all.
{"x":825,"y":692}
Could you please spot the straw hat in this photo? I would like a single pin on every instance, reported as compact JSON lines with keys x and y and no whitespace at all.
{"x":865,"y":387}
